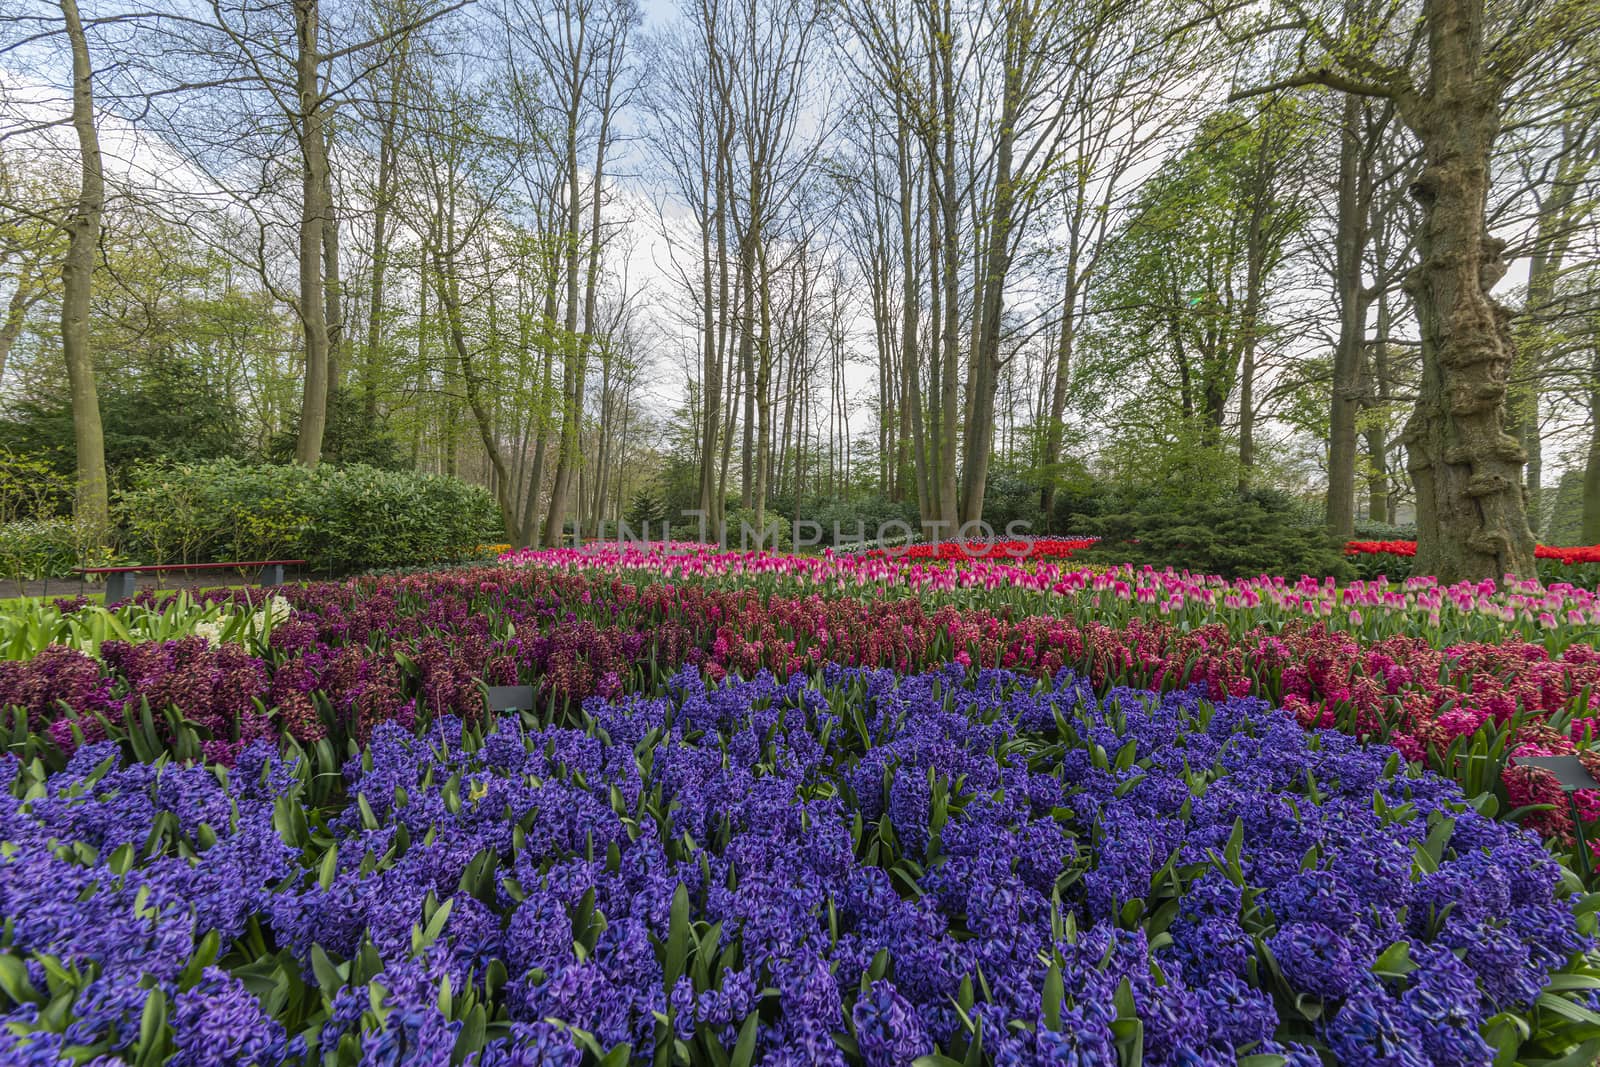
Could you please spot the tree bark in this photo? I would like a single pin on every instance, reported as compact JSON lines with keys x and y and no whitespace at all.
{"x":910,"y":295}
{"x":1350,"y":240}
{"x":763,"y":392}
{"x":984,"y":372}
{"x":1551,"y":242}
{"x":447,"y":290}
{"x":572,"y":347}
{"x":950,"y":230}
{"x":711,"y":368}
{"x":332,"y":277}
{"x":23,"y":297}
{"x":314,"y":209}
{"x":1591,"y":469}
{"x":383,"y":198}
{"x":1471,"y":518}
{"x":91,"y":507}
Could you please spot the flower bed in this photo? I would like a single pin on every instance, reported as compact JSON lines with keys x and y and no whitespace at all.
{"x":357,"y":654}
{"x":1578,"y":565}
{"x":854,"y":868}
{"x":1006,"y":548}
{"x":1574,"y":555}
{"x":1556,"y":615}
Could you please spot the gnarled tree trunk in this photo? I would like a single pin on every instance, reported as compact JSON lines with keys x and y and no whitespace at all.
{"x":1472,"y":522}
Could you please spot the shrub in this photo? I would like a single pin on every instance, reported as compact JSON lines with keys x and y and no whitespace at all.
{"x":37,"y":548}
{"x":1253,"y":533}
{"x":352,"y":435}
{"x":737,"y":519}
{"x":222,"y":510}
{"x":338,"y":519}
{"x":1367,"y":530}
{"x":362,"y":517}
{"x":30,"y":488}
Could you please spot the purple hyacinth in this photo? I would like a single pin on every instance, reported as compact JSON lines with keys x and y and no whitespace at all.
{"x":220,"y":1023}
{"x":888,"y":1031}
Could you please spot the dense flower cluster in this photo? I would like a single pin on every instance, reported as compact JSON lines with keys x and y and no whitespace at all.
{"x":1556,"y":615}
{"x":1569,"y":556}
{"x":1003,"y":548}
{"x":855,"y":867}
{"x":357,"y":654}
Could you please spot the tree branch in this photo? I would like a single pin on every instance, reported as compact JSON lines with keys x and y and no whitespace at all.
{"x":1323,"y":78}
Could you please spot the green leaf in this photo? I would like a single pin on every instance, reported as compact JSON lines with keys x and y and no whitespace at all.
{"x":677,"y":936}
{"x":329,"y":868}
{"x":435,"y":927}
{"x":745,"y":1049}
{"x":14,"y":980}
{"x":1567,"y":1009}
{"x":1395,"y":960}
{"x":1053,"y":993}
{"x":328,"y":978}
{"x":151,"y":1023}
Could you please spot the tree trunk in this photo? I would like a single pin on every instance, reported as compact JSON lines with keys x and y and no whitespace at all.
{"x":446,"y":287}
{"x":332,"y":278}
{"x":711,"y":369}
{"x":541,"y":445}
{"x":372,"y":362}
{"x":984,"y":373}
{"x":1551,"y":242}
{"x":23,"y":297}
{"x":1471,"y":519}
{"x":314,"y":210}
{"x":747,"y":360}
{"x":1258,"y":247}
{"x":1591,"y":469}
{"x":909,"y":311}
{"x":763,"y":392}
{"x":383,"y":197}
{"x":1350,"y":239}
{"x":91,"y":507}
{"x":951,"y":247}
{"x":1380,"y":507}
{"x":1054,"y":429}
{"x":572,"y":347}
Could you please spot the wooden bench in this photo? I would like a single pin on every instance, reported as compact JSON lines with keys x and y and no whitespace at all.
{"x":120,"y":580}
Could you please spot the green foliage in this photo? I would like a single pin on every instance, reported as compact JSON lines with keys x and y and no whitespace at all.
{"x":224,"y":510}
{"x":1367,"y":530}
{"x":339,"y":519}
{"x":363,"y":518}
{"x":31,"y":549}
{"x":30,"y":488}
{"x":172,"y":412}
{"x":857,"y":517}
{"x":1251,"y":534}
{"x":646,"y":509}
{"x":352,"y":435}
{"x":30,"y":626}
{"x":1563,"y":508}
{"x":1012,"y":496}
{"x":1180,"y":468}
{"x":773,"y":533}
